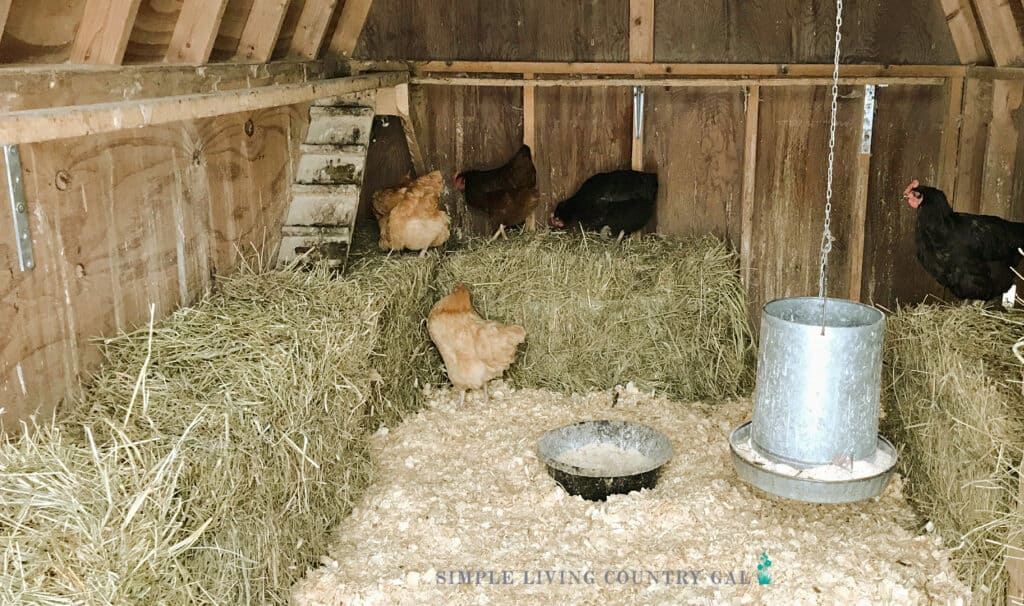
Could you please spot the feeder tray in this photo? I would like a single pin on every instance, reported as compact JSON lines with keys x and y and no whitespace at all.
{"x":765,"y":472}
{"x":594,"y":459}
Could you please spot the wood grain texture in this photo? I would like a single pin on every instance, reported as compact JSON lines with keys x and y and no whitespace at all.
{"x":262,"y":27}
{"x":124,"y":220}
{"x":40,"y":31}
{"x":963,"y":27}
{"x":1000,"y":21}
{"x":641,"y":30}
{"x":103,"y":34}
{"x":307,"y":36}
{"x":951,"y":135}
{"x":801,"y":31}
{"x":906,"y":145}
{"x":970,"y":167}
{"x":466,"y":128}
{"x":195,"y":32}
{"x":858,"y":224}
{"x":236,"y":15}
{"x":350,"y":26}
{"x":789,"y":196}
{"x":997,"y":188}
{"x":154,"y":28}
{"x":387,"y":165}
{"x":543,"y":30}
{"x":750,"y":137}
{"x":5,"y":11}
{"x":694,"y":141}
{"x":580,"y":132}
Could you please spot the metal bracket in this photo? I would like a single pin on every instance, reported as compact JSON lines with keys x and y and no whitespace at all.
{"x":869,"y":119}
{"x":19,"y":210}
{"x":638,"y":112}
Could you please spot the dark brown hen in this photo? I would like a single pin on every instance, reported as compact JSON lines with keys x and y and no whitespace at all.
{"x":507,"y":194}
{"x":971,"y":255}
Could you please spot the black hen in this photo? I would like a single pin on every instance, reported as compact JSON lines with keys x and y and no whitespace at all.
{"x":971,"y":255}
{"x":622,"y":200}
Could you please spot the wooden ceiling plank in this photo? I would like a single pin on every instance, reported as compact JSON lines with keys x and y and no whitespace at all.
{"x":350,"y":25}
{"x":103,"y":34}
{"x":196,"y":31}
{"x":641,"y":31}
{"x":5,"y":9}
{"x":963,"y":26}
{"x":311,"y":30}
{"x":1000,"y":26}
{"x":261,"y":30}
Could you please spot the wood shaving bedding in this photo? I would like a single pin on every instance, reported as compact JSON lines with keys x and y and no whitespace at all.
{"x":464,"y":513}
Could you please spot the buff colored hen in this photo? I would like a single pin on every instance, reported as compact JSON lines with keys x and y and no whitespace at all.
{"x":410,"y":216}
{"x":474,"y":350}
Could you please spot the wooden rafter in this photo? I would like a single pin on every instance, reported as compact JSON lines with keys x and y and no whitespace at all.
{"x":1001,"y":30}
{"x":5,"y":10}
{"x":641,"y":31}
{"x":259,"y":36}
{"x":195,"y":31}
{"x":350,"y":25}
{"x":64,"y":122}
{"x":312,"y":29}
{"x":963,"y":26}
{"x":738,"y":70}
{"x":103,"y":34}
{"x":679,"y":82}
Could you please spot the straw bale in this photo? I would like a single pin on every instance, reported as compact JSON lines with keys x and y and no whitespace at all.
{"x":668,"y":314}
{"x":953,"y":403}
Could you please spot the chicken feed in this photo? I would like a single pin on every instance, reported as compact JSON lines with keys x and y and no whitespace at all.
{"x":464,"y":513}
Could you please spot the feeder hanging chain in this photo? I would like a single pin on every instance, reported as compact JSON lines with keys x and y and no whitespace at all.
{"x":826,"y":234}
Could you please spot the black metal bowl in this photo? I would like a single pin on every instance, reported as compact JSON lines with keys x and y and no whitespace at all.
{"x":596,"y":482}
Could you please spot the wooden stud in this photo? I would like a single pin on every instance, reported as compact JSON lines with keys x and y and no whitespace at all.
{"x":737,"y":70}
{"x":951,"y":136}
{"x":530,"y":132}
{"x":858,"y":218}
{"x":350,"y":26}
{"x":196,"y":31}
{"x":749,"y":182}
{"x":637,"y":143}
{"x":263,"y":26}
{"x":103,"y":34}
{"x":963,"y":26}
{"x":1001,"y":148}
{"x":1001,"y":30}
{"x":5,"y":10}
{"x":641,"y":31}
{"x":65,"y":122}
{"x":312,"y":28}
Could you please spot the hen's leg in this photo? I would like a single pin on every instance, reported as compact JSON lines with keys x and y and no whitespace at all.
{"x":622,"y":234}
{"x":487,"y":396}
{"x":423,"y":253}
{"x":462,"y":398}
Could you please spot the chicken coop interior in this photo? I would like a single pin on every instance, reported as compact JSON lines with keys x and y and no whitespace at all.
{"x":325,"y":302}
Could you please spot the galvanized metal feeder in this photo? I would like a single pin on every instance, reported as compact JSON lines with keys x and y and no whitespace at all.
{"x":814,"y":433}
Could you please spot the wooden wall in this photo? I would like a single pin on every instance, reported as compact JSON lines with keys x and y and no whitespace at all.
{"x":124,"y":220}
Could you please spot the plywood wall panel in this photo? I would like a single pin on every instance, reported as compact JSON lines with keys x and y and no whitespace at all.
{"x":124,"y":220}
{"x":907,"y":145}
{"x":800,"y":31}
{"x":693,"y":139}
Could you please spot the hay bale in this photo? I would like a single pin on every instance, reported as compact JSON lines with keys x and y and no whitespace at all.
{"x":667,"y":314}
{"x":272,"y":373}
{"x":953,"y":403}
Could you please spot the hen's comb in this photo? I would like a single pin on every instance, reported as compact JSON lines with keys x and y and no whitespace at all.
{"x":913,"y":185}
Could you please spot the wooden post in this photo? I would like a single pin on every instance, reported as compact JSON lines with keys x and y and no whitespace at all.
{"x":858,"y":215}
{"x":637,"y":160}
{"x":263,"y":26}
{"x":749,"y":182}
{"x":350,"y":25}
{"x":641,"y":31}
{"x":103,"y":34}
{"x":963,"y":26}
{"x":951,"y":136}
{"x":530,"y":132}
{"x":195,"y":31}
{"x":311,"y":30}
{"x":1001,"y":148}
{"x":1001,"y":29}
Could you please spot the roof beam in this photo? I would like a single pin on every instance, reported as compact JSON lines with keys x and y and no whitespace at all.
{"x":311,"y":30}
{"x":81,"y":120}
{"x":1001,"y":29}
{"x":5,"y":10}
{"x":103,"y":34}
{"x":641,"y":31}
{"x":963,"y":26}
{"x":259,"y":36}
{"x":195,"y":31}
{"x":350,"y":25}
